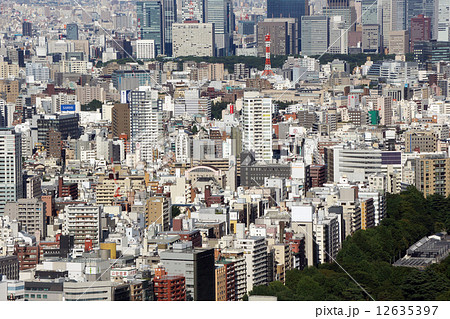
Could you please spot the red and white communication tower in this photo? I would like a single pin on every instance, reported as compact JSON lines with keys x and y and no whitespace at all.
{"x":268,"y":68}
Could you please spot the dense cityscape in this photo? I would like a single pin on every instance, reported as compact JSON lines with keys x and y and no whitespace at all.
{"x":224,"y":150}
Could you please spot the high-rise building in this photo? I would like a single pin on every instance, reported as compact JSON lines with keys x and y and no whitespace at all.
{"x":31,"y":215}
{"x":255,"y":253}
{"x":315,"y":34}
{"x":10,"y":167}
{"x":220,"y":12}
{"x":193,"y":10}
{"x":146,"y":127}
{"x":432,"y":175}
{"x":289,"y":9}
{"x":169,"y":18}
{"x":196,"y":265}
{"x":428,"y":8}
{"x":193,"y":39}
{"x":444,"y":20}
{"x":369,"y":12}
{"x":420,"y":29}
{"x":120,"y":120}
{"x":399,"y":42}
{"x":27,"y":29}
{"x":257,"y":122}
{"x":72,"y":31}
{"x":83,"y":222}
{"x":150,"y":23}
{"x":157,"y":211}
{"x":283,"y":36}
{"x":371,"y":38}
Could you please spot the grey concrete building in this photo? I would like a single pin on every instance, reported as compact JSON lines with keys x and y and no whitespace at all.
{"x":196,"y":265}
{"x":30,"y":212}
{"x":9,"y":267}
{"x":315,"y":34}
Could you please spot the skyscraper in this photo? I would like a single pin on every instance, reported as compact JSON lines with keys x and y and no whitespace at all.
{"x":169,"y":18}
{"x":27,"y":29}
{"x":428,"y":8}
{"x":289,"y":9}
{"x":420,"y":29}
{"x":257,"y":119}
{"x":193,"y":10}
{"x":444,"y":20}
{"x":154,"y":22}
{"x":145,"y":123}
{"x":150,"y":23}
{"x":369,"y":12}
{"x":315,"y":34}
{"x":220,"y":12}
{"x":11,"y":180}
{"x":72,"y":31}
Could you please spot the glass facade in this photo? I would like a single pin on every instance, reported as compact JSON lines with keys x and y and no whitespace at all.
{"x":150,"y":23}
{"x":288,"y":9}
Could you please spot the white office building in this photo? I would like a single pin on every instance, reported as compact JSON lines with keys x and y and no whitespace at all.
{"x":145,"y":49}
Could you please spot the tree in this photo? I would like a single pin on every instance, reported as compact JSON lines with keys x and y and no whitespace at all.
{"x":175,"y":211}
{"x":94,"y":105}
{"x":217,"y":108}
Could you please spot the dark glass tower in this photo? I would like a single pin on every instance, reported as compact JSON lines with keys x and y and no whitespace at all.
{"x":155,"y":19}
{"x":289,"y":9}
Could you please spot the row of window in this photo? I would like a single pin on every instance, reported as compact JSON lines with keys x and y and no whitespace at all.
{"x":34,"y":296}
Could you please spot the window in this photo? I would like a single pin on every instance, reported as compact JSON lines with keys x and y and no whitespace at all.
{"x":45,"y":296}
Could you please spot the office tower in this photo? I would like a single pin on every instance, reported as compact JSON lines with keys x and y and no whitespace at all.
{"x":196,"y":265}
{"x":120,"y":120}
{"x":145,"y":49}
{"x":283,"y":36}
{"x":169,"y":18}
{"x":338,"y":36}
{"x":193,"y":10}
{"x":369,"y":12}
{"x":154,"y":22}
{"x":398,"y":15}
{"x":193,"y":39}
{"x":257,"y":122}
{"x":315,"y":34}
{"x":428,"y":8}
{"x":347,"y":14}
{"x":84,"y":223}
{"x":220,"y":12}
{"x":157,"y":211}
{"x":150,"y":23}
{"x":72,"y":31}
{"x":399,"y":42}
{"x":420,"y":29}
{"x":27,"y":29}
{"x":444,"y":20}
{"x":10,"y":167}
{"x":146,"y":124}
{"x":66,"y":124}
{"x":371,"y":38}
{"x":30,"y":213}
{"x":289,"y":9}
